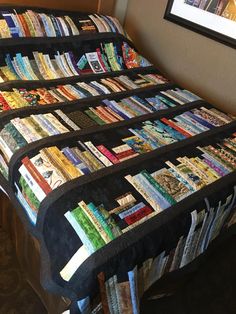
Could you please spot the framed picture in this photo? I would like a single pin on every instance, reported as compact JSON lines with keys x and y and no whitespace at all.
{"x":213,"y":18}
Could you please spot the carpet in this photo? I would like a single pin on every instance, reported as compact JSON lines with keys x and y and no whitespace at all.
{"x":16,"y":295}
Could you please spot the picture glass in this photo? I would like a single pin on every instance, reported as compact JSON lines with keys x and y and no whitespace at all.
{"x":214,"y":15}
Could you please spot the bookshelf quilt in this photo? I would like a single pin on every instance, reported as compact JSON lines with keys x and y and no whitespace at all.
{"x":125,"y":177}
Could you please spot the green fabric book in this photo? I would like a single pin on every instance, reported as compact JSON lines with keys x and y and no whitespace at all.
{"x":88,"y":228}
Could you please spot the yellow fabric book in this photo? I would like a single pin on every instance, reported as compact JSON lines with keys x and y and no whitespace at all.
{"x":44,"y":65}
{"x":64,"y":165}
{"x":30,"y":24}
{"x":4,"y":29}
{"x":8,"y":73}
{"x":35,"y":128}
{"x":191,"y":165}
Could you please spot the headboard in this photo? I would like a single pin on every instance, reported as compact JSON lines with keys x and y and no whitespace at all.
{"x":103,"y":6}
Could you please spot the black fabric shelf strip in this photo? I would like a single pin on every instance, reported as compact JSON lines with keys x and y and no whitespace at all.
{"x":53,"y":140}
{"x":46,"y":279}
{"x":78,"y":182}
{"x":5,"y":116}
{"x":5,"y":185}
{"x":4,"y":42}
{"x":72,"y":79}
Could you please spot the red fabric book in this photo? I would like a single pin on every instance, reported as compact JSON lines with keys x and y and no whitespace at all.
{"x":108,"y":154}
{"x":4,"y":104}
{"x":101,"y":60}
{"x":138,"y":215}
{"x":24,"y":25}
{"x":36,"y":175}
{"x":67,"y":93}
{"x":176,"y":127}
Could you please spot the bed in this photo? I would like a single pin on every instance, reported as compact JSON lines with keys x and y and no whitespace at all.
{"x":119,"y":180}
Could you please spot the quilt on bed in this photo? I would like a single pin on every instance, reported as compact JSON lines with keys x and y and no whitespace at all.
{"x":125,"y":177}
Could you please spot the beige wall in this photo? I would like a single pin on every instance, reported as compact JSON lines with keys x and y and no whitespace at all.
{"x":192,"y":60}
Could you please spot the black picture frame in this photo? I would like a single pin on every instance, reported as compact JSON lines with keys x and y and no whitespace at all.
{"x":229,"y":41}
